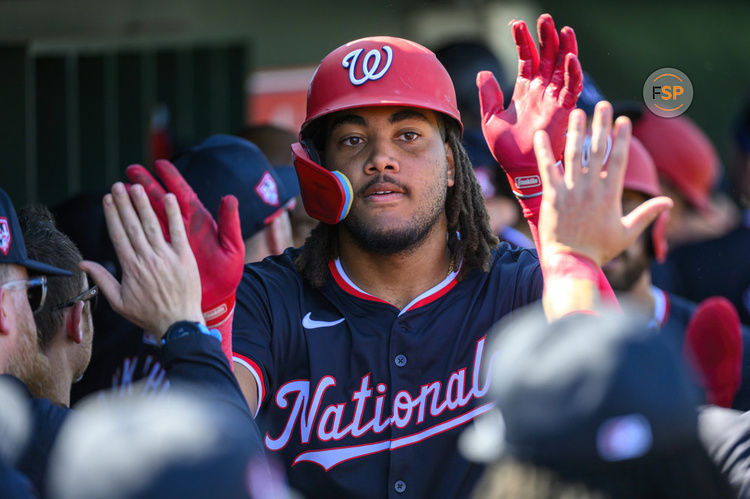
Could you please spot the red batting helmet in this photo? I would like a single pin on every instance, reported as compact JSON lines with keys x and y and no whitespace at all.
{"x":375,"y":71}
{"x":683,"y":154}
{"x":641,"y":176}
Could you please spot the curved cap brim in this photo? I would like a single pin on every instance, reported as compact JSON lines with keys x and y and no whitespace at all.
{"x":43,"y":268}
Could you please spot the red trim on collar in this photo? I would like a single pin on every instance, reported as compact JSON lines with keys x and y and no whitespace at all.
{"x":435,"y":296}
{"x":341,"y":281}
{"x":439,"y":290}
{"x":667,"y":308}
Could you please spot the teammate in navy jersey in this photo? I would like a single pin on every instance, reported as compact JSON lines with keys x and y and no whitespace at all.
{"x":361,"y":350}
{"x":630,"y":276}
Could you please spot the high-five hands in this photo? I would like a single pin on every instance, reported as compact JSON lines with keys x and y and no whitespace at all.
{"x":546,"y":90}
{"x":581,"y":208}
{"x":218,"y":245}
{"x":160,"y":282}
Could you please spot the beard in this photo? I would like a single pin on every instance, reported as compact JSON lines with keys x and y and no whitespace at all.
{"x":30,"y":365}
{"x":393,"y":240}
{"x":626,"y":271}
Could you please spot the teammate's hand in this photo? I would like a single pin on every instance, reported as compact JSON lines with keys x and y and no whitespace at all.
{"x":160,"y":281}
{"x":218,"y":248}
{"x":581,"y":208}
{"x":546,"y":91}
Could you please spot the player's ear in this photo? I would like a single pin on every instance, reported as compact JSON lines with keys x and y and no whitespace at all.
{"x":5,"y":311}
{"x":74,"y":322}
{"x":451,"y":172}
{"x":278,"y":233}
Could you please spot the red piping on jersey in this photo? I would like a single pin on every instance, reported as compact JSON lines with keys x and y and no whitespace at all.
{"x":432,"y":294}
{"x":249,"y":363}
{"x":667,"y":306}
{"x":341,"y":280}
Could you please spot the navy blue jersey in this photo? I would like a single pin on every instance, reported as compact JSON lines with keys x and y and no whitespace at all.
{"x":715,"y":267}
{"x":361,"y":399}
{"x":13,"y":484}
{"x":47,"y":419}
{"x":673,"y":314}
{"x":190,"y":361}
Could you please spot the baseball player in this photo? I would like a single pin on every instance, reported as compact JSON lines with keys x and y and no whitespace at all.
{"x":713,"y":341}
{"x":361,"y":350}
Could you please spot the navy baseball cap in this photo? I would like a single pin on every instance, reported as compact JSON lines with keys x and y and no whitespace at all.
{"x":225,"y":164}
{"x":584,"y":392}
{"x":289,"y":182}
{"x":12,"y":246}
{"x":590,"y":95}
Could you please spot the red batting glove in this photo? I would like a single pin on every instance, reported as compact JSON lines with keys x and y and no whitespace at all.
{"x":218,"y":247}
{"x":713,"y":346}
{"x":546,"y":91}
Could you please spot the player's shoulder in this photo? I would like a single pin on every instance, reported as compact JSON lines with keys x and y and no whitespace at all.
{"x":509,"y":264}
{"x":275,"y":265}
{"x":681,"y":304}
{"x":273,"y":271}
{"x":273,"y":279}
{"x":505,"y":253}
{"x":680,"y":309}
{"x":514,"y":279}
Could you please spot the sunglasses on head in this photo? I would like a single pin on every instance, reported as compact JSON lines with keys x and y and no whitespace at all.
{"x":90,"y":294}
{"x":36,"y":290}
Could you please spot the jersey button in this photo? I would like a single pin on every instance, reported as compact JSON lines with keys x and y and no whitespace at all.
{"x":399,"y":486}
{"x":400,"y":360}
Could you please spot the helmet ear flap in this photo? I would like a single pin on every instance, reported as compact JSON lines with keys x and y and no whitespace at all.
{"x":659,"y":237}
{"x":327,"y":195}
{"x":312,"y":151}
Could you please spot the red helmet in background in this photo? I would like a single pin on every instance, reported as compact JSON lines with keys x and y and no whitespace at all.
{"x":641,"y":176}
{"x":683,"y":155}
{"x":375,"y":71}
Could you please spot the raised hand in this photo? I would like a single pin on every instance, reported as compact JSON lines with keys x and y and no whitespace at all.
{"x":581,"y":209}
{"x":546,"y":90}
{"x":160,"y":281}
{"x":217,"y":245}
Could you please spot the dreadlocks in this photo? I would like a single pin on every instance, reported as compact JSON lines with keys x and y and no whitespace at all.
{"x":469,"y":235}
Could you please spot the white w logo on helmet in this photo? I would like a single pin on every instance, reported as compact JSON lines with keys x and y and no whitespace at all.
{"x":370,"y":64}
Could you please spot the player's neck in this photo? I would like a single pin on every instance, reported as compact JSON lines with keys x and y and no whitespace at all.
{"x":401,"y":277}
{"x":61,"y":378}
{"x":639,"y":295}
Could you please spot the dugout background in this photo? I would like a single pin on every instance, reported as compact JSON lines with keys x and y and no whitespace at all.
{"x":80,"y":79}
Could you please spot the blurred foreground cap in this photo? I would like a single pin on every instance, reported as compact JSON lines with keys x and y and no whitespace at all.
{"x":583,"y":391}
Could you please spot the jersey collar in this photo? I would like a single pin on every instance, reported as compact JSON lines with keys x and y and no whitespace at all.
{"x":432,"y":294}
{"x":661,"y":306}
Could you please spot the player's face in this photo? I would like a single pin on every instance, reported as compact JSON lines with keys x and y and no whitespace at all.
{"x":24,"y":360}
{"x":626,"y":268}
{"x":400,"y":168}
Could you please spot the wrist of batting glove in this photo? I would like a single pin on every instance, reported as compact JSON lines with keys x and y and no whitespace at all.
{"x":217,"y":314}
